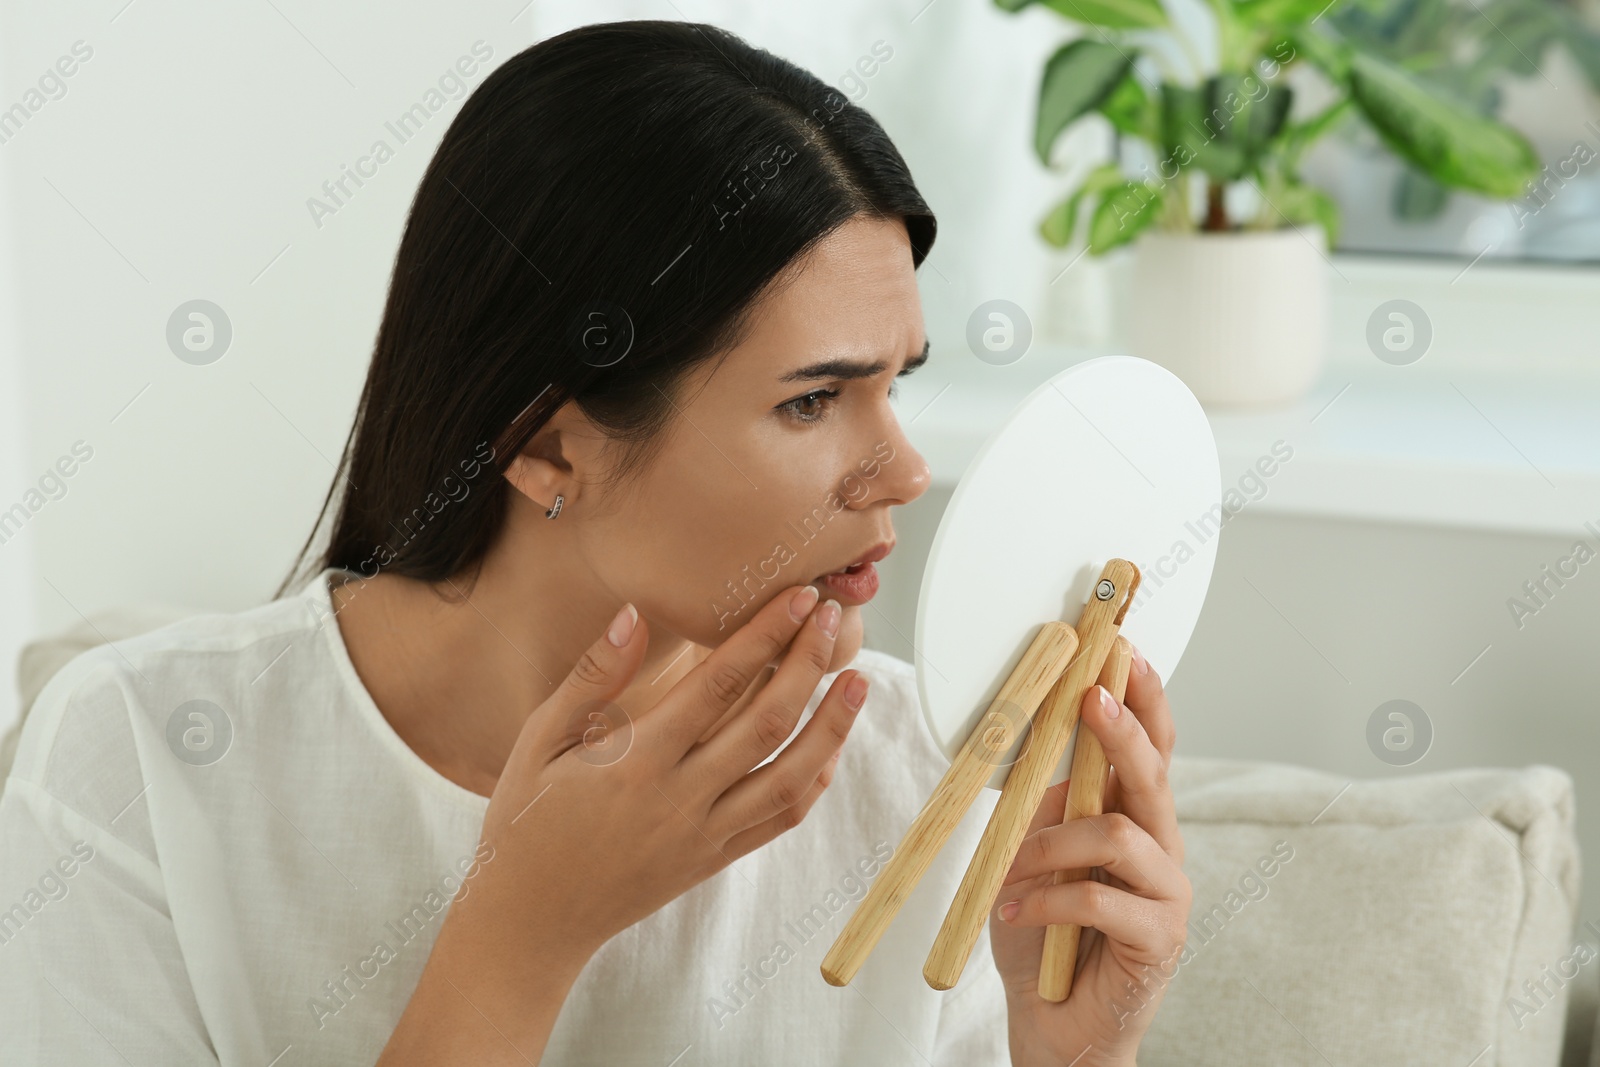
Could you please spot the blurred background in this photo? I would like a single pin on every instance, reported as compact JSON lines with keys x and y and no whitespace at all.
{"x":188,"y":300}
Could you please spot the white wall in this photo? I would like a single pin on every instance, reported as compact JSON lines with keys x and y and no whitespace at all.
{"x":16,"y":478}
{"x":178,"y":165}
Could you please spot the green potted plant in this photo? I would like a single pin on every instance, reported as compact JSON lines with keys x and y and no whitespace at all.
{"x":1231,"y":259}
{"x":1471,"y":50}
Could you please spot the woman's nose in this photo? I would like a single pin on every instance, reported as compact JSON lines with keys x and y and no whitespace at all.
{"x":903,"y":475}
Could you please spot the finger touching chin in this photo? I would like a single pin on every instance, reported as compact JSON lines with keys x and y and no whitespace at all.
{"x":852,"y":633}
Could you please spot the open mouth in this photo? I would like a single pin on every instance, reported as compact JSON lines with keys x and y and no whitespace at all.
{"x":857,"y":583}
{"x":852,"y":586}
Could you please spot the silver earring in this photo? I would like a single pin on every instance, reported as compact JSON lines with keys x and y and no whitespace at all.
{"x":551,"y":513}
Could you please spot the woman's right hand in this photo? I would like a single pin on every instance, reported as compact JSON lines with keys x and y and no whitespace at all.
{"x":590,"y":838}
{"x":610,"y":828}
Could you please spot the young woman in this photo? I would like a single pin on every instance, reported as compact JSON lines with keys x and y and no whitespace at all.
{"x":569,"y":751}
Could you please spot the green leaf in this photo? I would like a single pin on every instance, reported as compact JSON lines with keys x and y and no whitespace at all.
{"x":1258,"y":109}
{"x":1323,"y":52}
{"x":1300,"y":135}
{"x":1012,"y":5}
{"x":1581,"y":44}
{"x":1132,"y":110}
{"x":1122,"y":214}
{"x":1116,"y":14}
{"x":1279,"y":13}
{"x":1448,"y":142}
{"x":1302,"y":204}
{"x":1191,"y":138}
{"x":1058,"y":226}
{"x":1237,"y":40}
{"x":1077,"y":79}
{"x":1225,"y":126}
{"x":1417,"y":197}
{"x":1522,"y":32}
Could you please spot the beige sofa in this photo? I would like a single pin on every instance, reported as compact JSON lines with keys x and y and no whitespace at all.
{"x":1428,"y":919}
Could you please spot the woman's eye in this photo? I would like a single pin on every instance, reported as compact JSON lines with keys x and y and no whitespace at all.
{"x":812,"y":407}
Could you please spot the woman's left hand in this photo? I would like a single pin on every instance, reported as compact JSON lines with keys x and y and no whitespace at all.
{"x":1134,"y":920}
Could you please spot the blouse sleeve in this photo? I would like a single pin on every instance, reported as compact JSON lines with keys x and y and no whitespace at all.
{"x":91,"y":971}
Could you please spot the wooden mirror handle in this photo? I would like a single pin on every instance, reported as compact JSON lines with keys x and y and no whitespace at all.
{"x":1029,"y":777}
{"x":991,"y":737}
{"x":1086,"y":794}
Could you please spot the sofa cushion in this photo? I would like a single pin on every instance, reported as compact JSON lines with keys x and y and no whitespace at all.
{"x":1374,"y":921}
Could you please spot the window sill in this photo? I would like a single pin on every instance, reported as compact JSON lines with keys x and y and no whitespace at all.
{"x":1465,"y":448}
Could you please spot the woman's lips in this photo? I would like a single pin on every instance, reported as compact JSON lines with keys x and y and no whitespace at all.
{"x":853,"y":585}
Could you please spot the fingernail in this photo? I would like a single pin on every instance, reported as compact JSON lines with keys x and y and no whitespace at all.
{"x":1139,"y":662}
{"x":855,"y":691}
{"x":1113,"y":709}
{"x":800,"y":604}
{"x":622,"y":626}
{"x":828,"y":617}
{"x":1009,"y":909}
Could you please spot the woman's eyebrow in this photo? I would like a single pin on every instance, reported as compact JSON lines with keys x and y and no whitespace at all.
{"x":847,"y":369}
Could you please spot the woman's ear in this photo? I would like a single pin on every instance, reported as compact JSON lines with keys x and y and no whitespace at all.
{"x":546,"y":466}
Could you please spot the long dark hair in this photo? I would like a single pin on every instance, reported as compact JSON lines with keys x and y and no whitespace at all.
{"x":602,"y":216}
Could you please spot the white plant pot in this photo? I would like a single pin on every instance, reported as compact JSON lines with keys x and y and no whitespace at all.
{"x":1241,"y":318}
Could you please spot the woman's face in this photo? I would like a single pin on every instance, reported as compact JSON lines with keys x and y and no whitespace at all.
{"x":782,"y":460}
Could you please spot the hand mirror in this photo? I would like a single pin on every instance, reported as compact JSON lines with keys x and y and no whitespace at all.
{"x":1099,"y":493}
{"x":1112,"y":457}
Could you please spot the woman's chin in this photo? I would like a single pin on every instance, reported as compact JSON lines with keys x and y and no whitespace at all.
{"x":848,"y":643}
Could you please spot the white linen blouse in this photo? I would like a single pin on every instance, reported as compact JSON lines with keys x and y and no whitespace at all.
{"x":214,"y":849}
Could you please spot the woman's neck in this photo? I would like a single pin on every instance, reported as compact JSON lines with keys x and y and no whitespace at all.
{"x":456,"y":678}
